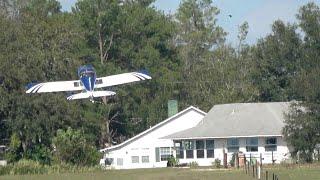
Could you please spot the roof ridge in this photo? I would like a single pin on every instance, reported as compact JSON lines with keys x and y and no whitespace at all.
{"x":252,"y":103}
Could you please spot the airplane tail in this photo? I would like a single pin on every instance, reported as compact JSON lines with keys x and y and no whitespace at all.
{"x":91,"y":95}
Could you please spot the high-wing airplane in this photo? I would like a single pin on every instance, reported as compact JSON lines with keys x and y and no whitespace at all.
{"x":87,"y":83}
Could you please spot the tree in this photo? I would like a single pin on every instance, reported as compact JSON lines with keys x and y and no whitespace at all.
{"x":302,"y":129}
{"x":197,"y":36}
{"x":15,"y":149}
{"x":141,"y":39}
{"x":212,"y":71}
{"x":303,"y":122}
{"x":243,"y":32}
{"x":277,"y":59}
{"x":72,"y":147}
{"x":100,"y":19}
{"x":41,"y":44}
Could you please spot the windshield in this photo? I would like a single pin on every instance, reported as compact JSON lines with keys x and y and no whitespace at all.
{"x":87,"y":71}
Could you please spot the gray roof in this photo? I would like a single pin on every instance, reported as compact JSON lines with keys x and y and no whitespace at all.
{"x":238,"y":120}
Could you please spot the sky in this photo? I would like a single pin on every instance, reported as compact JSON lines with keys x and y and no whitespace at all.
{"x":260,"y":14}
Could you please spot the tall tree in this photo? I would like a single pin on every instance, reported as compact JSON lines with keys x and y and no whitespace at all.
{"x":42,"y":44}
{"x":198,"y":34}
{"x":100,"y":19}
{"x":303,"y":122}
{"x":277,"y":59}
{"x":212,"y":71}
{"x":140,"y":40}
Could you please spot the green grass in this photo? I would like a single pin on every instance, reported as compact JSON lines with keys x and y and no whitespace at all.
{"x":296,"y":173}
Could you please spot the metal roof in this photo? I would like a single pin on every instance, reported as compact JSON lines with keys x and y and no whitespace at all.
{"x":238,"y":120}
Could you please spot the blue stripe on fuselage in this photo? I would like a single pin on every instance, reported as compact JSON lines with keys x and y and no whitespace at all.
{"x":88,"y":82}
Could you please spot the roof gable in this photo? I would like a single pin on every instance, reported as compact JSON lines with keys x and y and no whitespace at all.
{"x":191,"y":108}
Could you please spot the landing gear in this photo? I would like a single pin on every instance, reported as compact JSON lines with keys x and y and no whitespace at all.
{"x":92,"y":99}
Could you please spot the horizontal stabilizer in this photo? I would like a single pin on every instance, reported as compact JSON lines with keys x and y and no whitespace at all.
{"x":91,"y":95}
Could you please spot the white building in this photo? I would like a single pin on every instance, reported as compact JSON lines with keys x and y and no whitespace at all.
{"x":147,"y":149}
{"x":250,"y":128}
{"x":192,"y":135}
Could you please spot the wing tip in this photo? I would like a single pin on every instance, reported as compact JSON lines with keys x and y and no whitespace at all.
{"x":145,"y":73}
{"x":29,"y":87}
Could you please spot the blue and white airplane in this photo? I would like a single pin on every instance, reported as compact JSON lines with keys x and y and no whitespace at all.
{"x":87,"y":84}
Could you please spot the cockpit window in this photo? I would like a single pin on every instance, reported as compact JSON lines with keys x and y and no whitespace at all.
{"x":87,"y":73}
{"x":86,"y":70}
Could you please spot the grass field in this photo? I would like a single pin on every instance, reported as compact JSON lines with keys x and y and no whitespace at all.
{"x":305,"y":173}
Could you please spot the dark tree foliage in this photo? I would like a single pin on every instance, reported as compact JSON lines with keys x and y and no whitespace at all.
{"x":72,"y":147}
{"x":302,"y":128}
{"x":277,"y":60}
{"x":186,"y":55}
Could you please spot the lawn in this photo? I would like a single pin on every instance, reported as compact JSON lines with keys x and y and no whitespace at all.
{"x":304,"y":173}
{"x":297,"y":173}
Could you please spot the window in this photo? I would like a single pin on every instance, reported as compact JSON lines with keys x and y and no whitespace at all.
{"x":189,"y":146}
{"x":109,"y":161}
{"x":210,"y":148}
{"x":119,"y":161}
{"x":233,"y":145}
{"x":135,"y":159}
{"x":252,"y":144}
{"x":165,"y":153}
{"x":157,"y":154}
{"x":271,"y":144}
{"x":200,"y":148}
{"x":179,"y":149}
{"x":145,"y":159}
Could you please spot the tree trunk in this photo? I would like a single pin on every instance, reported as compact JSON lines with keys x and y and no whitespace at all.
{"x":106,"y":137}
{"x":101,"y":46}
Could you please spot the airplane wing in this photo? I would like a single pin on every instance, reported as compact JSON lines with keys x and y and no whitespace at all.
{"x":89,"y":94}
{"x":56,"y":86}
{"x":121,"y":79}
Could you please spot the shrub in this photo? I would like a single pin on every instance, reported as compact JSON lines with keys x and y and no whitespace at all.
{"x":217,"y":163}
{"x":32,"y":167}
{"x":172,"y":162}
{"x":193,"y":164}
{"x":73,"y":148}
{"x":5,"y":169}
{"x":15,"y":149}
{"x":252,"y":161}
{"x":232,"y":160}
{"x":28,"y":167}
{"x":39,"y":153}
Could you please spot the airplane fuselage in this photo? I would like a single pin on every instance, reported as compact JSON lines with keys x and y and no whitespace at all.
{"x":87,"y":77}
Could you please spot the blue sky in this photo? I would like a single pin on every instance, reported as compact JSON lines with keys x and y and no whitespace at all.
{"x":258,"y":13}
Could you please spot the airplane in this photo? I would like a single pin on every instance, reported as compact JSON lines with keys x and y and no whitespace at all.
{"x":87,"y":83}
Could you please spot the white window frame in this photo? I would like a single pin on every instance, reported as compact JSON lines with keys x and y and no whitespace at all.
{"x":232,"y":145}
{"x":119,"y":161}
{"x":145,"y":159}
{"x":165,"y":153}
{"x":210,"y":148}
{"x":179,"y":149}
{"x":189,"y":146}
{"x":250,"y":143}
{"x":269,"y":145}
{"x":200,"y":149}
{"x":133,"y":160}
